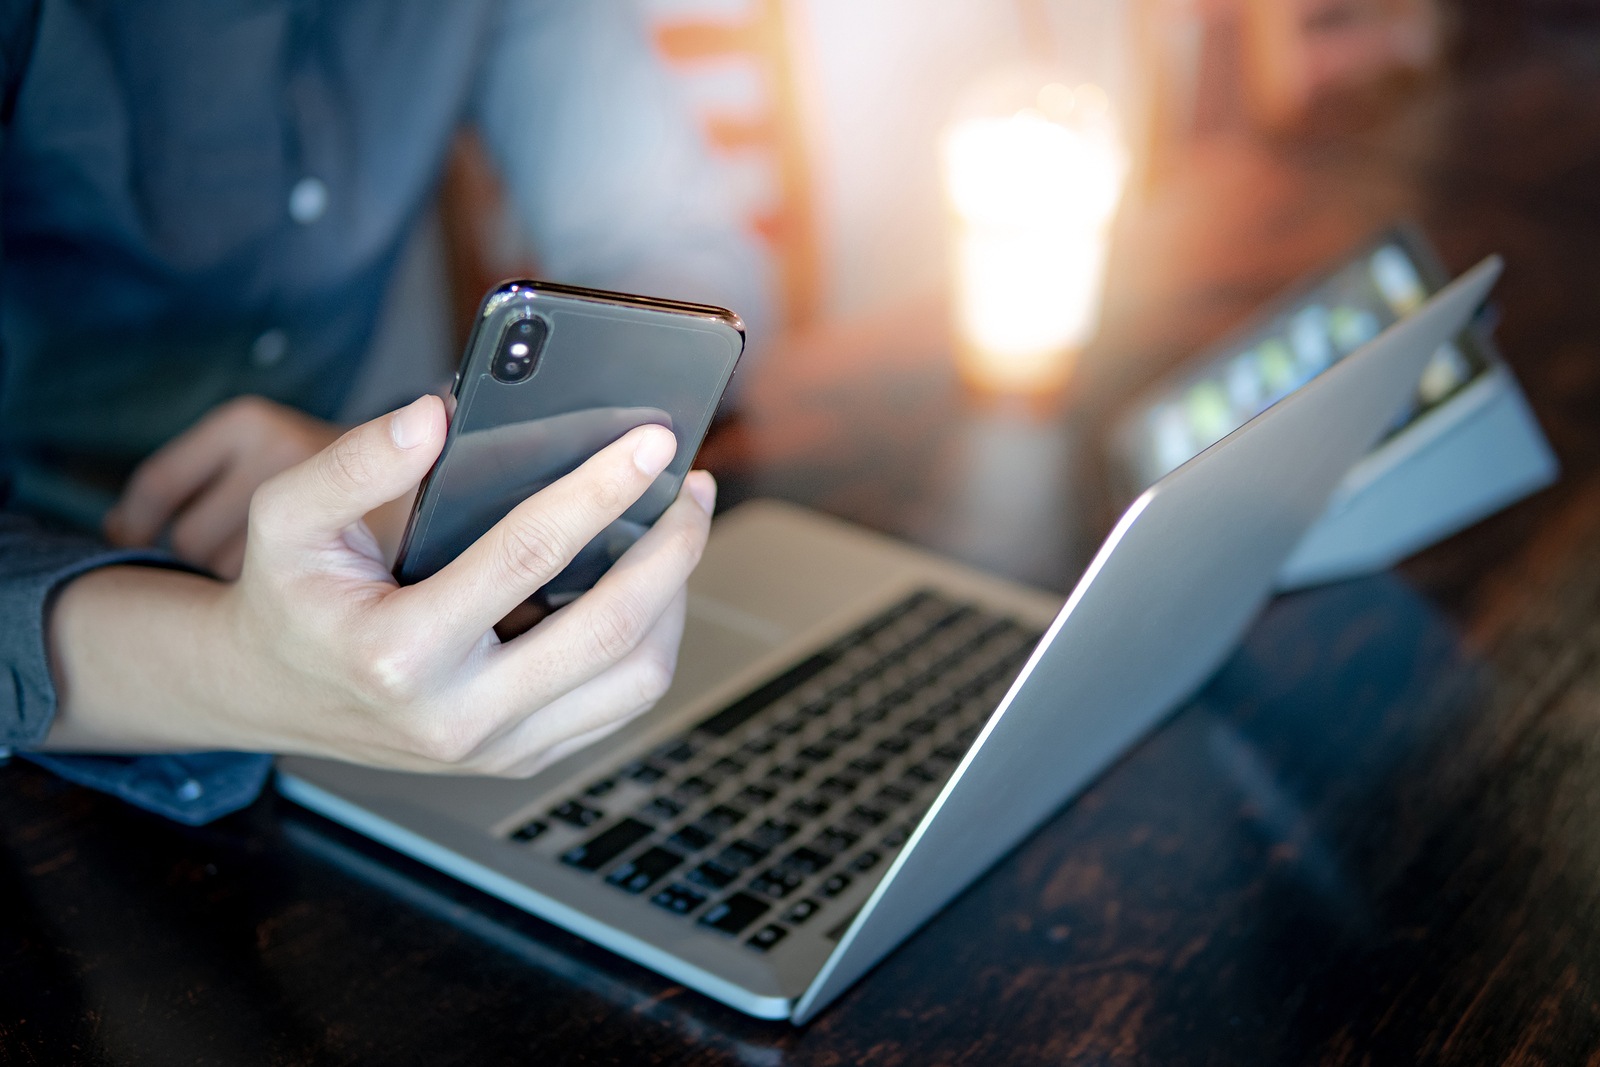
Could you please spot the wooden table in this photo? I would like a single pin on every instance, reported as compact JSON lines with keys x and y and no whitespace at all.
{"x":1373,"y":838}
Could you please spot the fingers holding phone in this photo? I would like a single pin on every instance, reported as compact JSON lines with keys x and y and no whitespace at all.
{"x":602,"y":705}
{"x":616,"y":646}
{"x":522,"y":552}
{"x":355,"y":667}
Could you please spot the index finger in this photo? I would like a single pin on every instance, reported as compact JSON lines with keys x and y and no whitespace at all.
{"x":535,"y":542}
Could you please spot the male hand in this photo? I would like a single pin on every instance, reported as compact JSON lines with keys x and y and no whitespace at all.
{"x":316,"y":650}
{"x":198,"y":486}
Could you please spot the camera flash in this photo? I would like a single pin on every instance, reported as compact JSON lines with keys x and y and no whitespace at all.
{"x":519,"y":350}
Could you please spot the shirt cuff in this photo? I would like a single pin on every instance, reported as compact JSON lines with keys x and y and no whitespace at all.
{"x":27,"y":584}
{"x":192,"y":788}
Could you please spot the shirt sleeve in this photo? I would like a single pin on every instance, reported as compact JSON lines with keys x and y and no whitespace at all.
{"x":35,"y":562}
{"x":605,"y":164}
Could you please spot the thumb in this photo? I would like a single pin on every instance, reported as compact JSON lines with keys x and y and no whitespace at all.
{"x":370,"y":465}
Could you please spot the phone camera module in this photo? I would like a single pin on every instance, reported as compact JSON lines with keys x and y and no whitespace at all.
{"x":517,"y":355}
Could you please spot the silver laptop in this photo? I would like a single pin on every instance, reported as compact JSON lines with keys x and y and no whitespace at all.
{"x":859,"y":729}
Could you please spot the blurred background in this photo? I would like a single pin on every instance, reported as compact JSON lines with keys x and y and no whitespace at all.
{"x":828,"y":114}
{"x":938,"y":369}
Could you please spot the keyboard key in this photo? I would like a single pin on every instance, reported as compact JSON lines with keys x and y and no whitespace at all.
{"x":607,"y":845}
{"x":692,"y":838}
{"x":1001,"y":628}
{"x":896,"y":837}
{"x":801,"y":910}
{"x":662,"y":809}
{"x":679,"y":751}
{"x":679,"y":899}
{"x":693,"y":787}
{"x":787,"y":772}
{"x":580,"y":815}
{"x":726,"y":767}
{"x":892,"y":796}
{"x":841,"y":735}
{"x":863,"y":816}
{"x":950,"y":753}
{"x":871,"y":714}
{"x":529,"y":830}
{"x":767,"y":936}
{"x":835,"y":788}
{"x":789,"y":727}
{"x":908,"y":690}
{"x":959,"y":614}
{"x":834,"y":840}
{"x":867,"y":765}
{"x":644,"y":870}
{"x":753,"y":796}
{"x":713,"y":875}
{"x":923,"y":724}
{"x":974,"y":687}
{"x":820,"y":752}
{"x":773,"y":832}
{"x":807,"y":860}
{"x":643,"y":773}
{"x":809,"y":807}
{"x":740,"y":854}
{"x":600,"y":788}
{"x":760,"y":746}
{"x":748,"y":707}
{"x":734,"y":914}
{"x":893,"y":746}
{"x":864,"y":862}
{"x":920,"y":773}
{"x":834,"y":884}
{"x":776,"y":882}
{"x":720,"y":818}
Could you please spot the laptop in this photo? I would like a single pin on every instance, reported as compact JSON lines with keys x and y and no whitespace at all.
{"x":858,"y":729}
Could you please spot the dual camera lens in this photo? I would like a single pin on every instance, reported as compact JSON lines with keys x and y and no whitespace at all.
{"x":518,"y":353}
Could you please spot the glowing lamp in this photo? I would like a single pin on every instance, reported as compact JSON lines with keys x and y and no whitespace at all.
{"x":1033,"y":171}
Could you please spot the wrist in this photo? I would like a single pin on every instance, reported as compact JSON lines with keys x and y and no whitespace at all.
{"x":133,"y":653}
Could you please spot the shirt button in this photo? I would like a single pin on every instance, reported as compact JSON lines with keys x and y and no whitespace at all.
{"x":190,"y":791}
{"x":308,"y":200}
{"x":270,"y":348}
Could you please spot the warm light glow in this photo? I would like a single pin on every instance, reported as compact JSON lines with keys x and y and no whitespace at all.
{"x":1033,"y":193}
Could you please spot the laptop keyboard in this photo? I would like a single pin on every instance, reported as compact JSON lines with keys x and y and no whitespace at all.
{"x":750,"y":823}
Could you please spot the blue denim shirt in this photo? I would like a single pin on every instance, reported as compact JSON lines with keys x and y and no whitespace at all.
{"x":182,"y":183}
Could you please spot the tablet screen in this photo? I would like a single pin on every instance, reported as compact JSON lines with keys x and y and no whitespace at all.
{"x":1289,"y":346}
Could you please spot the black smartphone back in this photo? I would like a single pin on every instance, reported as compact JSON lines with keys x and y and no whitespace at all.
{"x":551,"y":375}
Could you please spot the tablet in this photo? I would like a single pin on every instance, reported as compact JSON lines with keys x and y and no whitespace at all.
{"x":1294,"y":340}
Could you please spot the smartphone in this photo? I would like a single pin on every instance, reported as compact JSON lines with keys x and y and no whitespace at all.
{"x":551,"y":375}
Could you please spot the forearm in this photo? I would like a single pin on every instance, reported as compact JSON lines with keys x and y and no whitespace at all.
{"x":316,"y":650}
{"x":143,"y":662}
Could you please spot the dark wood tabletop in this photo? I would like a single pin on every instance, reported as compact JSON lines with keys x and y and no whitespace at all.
{"x":1373,"y":838}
